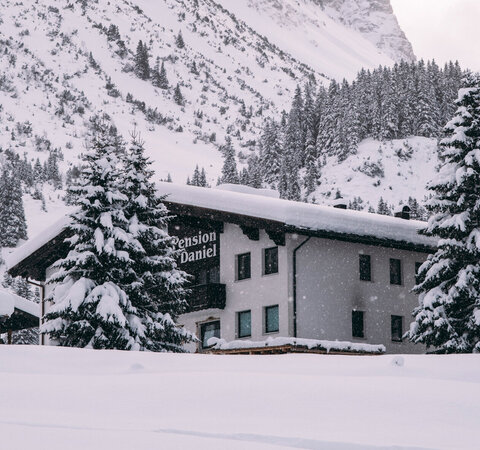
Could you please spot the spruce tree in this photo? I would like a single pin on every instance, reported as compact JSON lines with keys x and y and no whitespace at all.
{"x":155,"y":285}
{"x":179,"y":42}
{"x":203,"y":178}
{"x":159,"y":75}
{"x":383,"y":208}
{"x":448,"y":315}
{"x":229,"y":169}
{"x":271,"y":152}
{"x":178,"y":96}
{"x":12,"y":215}
{"x":90,"y":309}
{"x":142,"y":65}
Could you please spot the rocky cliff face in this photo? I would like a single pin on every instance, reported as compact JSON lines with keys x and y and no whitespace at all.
{"x":376,"y":21}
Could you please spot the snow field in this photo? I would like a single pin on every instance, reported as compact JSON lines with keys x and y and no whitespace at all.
{"x":57,"y":398}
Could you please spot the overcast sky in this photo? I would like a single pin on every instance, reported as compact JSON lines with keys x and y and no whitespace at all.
{"x":442,"y":29}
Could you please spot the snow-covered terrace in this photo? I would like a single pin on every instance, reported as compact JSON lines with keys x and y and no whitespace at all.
{"x":261,"y":204}
{"x":9,"y":302}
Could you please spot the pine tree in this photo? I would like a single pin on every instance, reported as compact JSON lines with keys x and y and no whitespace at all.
{"x":159,"y":75}
{"x":294,"y":141}
{"x":195,"y":181}
{"x":178,"y":96}
{"x":12,"y":215}
{"x":229,"y":169}
{"x":448,"y":315}
{"x":90,"y":309}
{"x":203,"y":178}
{"x":289,"y":183}
{"x":155,"y":286}
{"x":38,"y":175}
{"x":22,"y":288}
{"x":142,"y":65}
{"x":179,"y":42}
{"x":426,"y":109}
{"x":383,"y":208}
{"x":271,"y":152}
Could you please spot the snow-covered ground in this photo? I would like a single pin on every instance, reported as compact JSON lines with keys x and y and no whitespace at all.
{"x":57,"y":398}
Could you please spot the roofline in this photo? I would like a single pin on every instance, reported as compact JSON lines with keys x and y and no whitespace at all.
{"x":273,"y":225}
{"x":27,"y":268}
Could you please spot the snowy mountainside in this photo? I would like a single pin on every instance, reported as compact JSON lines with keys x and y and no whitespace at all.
{"x":317,"y":36}
{"x":377,"y":23}
{"x":64,"y":62}
{"x":394,"y":170}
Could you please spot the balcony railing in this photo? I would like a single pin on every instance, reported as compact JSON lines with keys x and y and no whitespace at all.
{"x":205,"y":296}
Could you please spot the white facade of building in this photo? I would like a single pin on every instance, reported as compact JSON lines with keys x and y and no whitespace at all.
{"x":328,"y":289}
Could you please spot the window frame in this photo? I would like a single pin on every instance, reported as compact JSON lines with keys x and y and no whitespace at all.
{"x":400,"y":275}
{"x":237,"y":266}
{"x":355,"y":312}
{"x":361,"y":257}
{"x":400,"y":318}
{"x":265,"y":250}
{"x":202,"y":325}
{"x":239,"y":328}
{"x":265,"y":321}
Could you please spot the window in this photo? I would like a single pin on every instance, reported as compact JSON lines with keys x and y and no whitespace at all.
{"x":365,"y":267}
{"x":244,"y":324}
{"x":270,"y":258}
{"x":206,"y":276}
{"x":243,"y":266}
{"x":397,"y":328}
{"x":417,"y":270}
{"x":357,"y":324}
{"x":271,"y":319}
{"x":395,"y":271}
{"x":208,"y":330}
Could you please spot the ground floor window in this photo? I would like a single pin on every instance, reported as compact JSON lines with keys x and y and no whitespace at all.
{"x":357,"y":324}
{"x":244,"y":324}
{"x":397,"y":328}
{"x":271,"y":319}
{"x":208,"y":330}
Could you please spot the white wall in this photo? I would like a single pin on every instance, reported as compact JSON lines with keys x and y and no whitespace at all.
{"x":329,"y":288}
{"x":252,"y":294}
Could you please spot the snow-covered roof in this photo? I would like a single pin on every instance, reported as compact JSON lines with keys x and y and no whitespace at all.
{"x":29,"y":247}
{"x":9,"y":302}
{"x":298,"y":215}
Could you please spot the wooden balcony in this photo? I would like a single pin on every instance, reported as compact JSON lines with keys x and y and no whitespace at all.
{"x":205,"y":296}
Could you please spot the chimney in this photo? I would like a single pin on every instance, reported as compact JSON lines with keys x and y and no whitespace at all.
{"x":403,"y":212}
{"x":340,"y":203}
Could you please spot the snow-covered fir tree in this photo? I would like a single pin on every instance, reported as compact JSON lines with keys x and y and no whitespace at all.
{"x":141,"y":63}
{"x":154,"y":284}
{"x":271,"y":152}
{"x":229,"y":169}
{"x":179,"y":42}
{"x":199,"y":178}
{"x":178,"y":96}
{"x":12,"y":215}
{"x":159,"y":75}
{"x":90,"y":309}
{"x":447,"y":319}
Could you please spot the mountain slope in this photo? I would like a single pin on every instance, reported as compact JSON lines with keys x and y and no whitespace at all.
{"x":314,"y":34}
{"x":62,"y":63}
{"x":377,"y":23}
